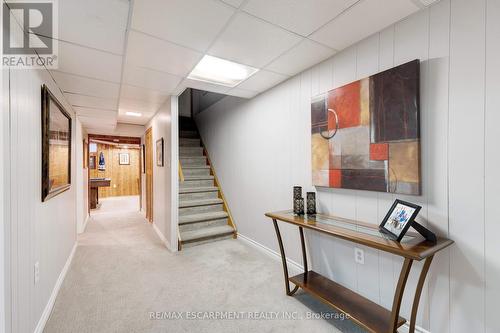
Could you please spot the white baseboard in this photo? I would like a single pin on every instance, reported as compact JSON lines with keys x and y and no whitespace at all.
{"x":50,"y":304}
{"x":161,"y":236}
{"x":298,"y":268}
{"x":292,"y":265}
{"x":85,"y":223}
{"x":406,"y":328}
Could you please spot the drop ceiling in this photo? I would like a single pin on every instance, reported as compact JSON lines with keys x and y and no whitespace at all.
{"x":114,"y":58}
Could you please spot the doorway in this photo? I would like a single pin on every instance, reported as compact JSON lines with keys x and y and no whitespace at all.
{"x":114,"y":173}
{"x":149,"y":174}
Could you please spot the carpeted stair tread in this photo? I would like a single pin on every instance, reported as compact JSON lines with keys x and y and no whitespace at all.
{"x":201,"y":202}
{"x":202,"y":217}
{"x":188,"y":134}
{"x":196,"y":167}
{"x":199,"y":234}
{"x":198,"y":189}
{"x":209,"y":177}
{"x":201,"y":157}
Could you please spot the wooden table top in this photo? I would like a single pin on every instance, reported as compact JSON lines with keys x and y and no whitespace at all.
{"x":100,"y":182}
{"x":412,"y":246}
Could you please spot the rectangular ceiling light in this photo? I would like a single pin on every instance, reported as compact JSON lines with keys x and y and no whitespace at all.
{"x":219,"y":71}
{"x":133,"y":114}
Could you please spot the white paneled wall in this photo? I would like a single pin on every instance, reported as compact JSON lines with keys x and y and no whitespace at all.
{"x":261,"y":148}
{"x":43,"y":232}
{"x":161,"y":125}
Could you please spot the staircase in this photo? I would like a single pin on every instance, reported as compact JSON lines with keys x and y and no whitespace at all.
{"x":203,"y":213}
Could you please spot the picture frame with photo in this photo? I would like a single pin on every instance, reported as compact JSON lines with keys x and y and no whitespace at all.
{"x":400,"y":217}
{"x":124,"y":159}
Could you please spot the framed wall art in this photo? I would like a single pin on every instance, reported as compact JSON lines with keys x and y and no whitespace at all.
{"x":366,"y":135}
{"x":56,"y":146}
{"x":143,"y":158}
{"x":92,"y":164}
{"x":124,"y":159}
{"x":160,"y":160}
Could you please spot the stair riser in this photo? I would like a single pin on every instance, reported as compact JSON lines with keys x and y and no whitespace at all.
{"x":186,"y":161}
{"x":191,"y":151}
{"x":196,"y":183}
{"x":189,"y":142}
{"x":188,"y":134}
{"x":210,"y":240}
{"x":198,"y":196}
{"x":200,"y":225}
{"x":200,"y":209}
{"x":196,"y":172}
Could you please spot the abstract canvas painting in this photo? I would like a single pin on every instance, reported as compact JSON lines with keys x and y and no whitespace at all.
{"x":366,"y":134}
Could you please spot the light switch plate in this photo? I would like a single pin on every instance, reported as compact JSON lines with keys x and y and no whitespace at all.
{"x":359,"y":256}
{"x":37,"y":272}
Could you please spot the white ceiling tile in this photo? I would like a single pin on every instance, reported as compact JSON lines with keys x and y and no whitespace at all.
{"x":262,"y":80}
{"x":98,"y":114}
{"x":299,"y":16}
{"x":82,"y":85}
{"x":136,"y":105}
{"x":93,"y":129}
{"x":362,"y":20}
{"x":306,"y":54}
{"x":92,"y":102}
{"x":234,"y":3}
{"x":243,"y":93}
{"x":143,"y":94}
{"x":91,"y":63}
{"x":142,"y":120}
{"x":94,"y":23}
{"x":153,"y":53}
{"x":205,"y":86}
{"x":252,"y":42}
{"x":150,"y":79}
{"x":192,"y":23}
{"x":97,"y":123}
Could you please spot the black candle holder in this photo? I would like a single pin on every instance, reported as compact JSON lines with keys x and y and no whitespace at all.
{"x":298,"y":201}
{"x":298,"y":206}
{"x":311,"y":203}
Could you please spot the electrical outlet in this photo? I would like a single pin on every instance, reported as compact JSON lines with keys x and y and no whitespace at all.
{"x":359,"y":256}
{"x":37,"y":272}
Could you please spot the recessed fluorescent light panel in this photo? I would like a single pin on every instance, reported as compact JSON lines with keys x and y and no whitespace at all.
{"x":219,"y":71}
{"x":133,"y":114}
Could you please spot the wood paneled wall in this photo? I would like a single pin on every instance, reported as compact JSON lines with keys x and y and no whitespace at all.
{"x":124,"y":178}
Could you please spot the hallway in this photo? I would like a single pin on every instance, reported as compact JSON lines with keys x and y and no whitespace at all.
{"x":121,"y":272}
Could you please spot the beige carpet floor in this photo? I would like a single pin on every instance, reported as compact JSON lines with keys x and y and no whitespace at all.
{"x":122,"y":273}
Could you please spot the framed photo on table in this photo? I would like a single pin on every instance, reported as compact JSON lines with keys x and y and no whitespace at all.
{"x":399,"y":219}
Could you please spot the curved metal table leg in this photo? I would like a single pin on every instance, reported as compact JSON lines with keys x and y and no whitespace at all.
{"x":418,"y":292}
{"x":304,"y":254}
{"x":283,"y":260}
{"x":398,"y":295}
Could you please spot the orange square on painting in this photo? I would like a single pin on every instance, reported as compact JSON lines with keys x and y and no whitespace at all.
{"x":379,"y":151}
{"x":335,"y":178}
{"x":345,"y":101}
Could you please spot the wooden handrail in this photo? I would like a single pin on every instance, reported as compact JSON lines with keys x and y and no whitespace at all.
{"x":181,"y":178}
{"x":181,"y":174}
{"x":225,"y":206}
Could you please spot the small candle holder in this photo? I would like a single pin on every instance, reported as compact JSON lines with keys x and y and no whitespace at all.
{"x":297,"y":197}
{"x":311,"y":203}
{"x":298,"y":206}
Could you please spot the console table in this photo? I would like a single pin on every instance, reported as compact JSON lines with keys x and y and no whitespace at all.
{"x":95,"y":183}
{"x":361,"y":310}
